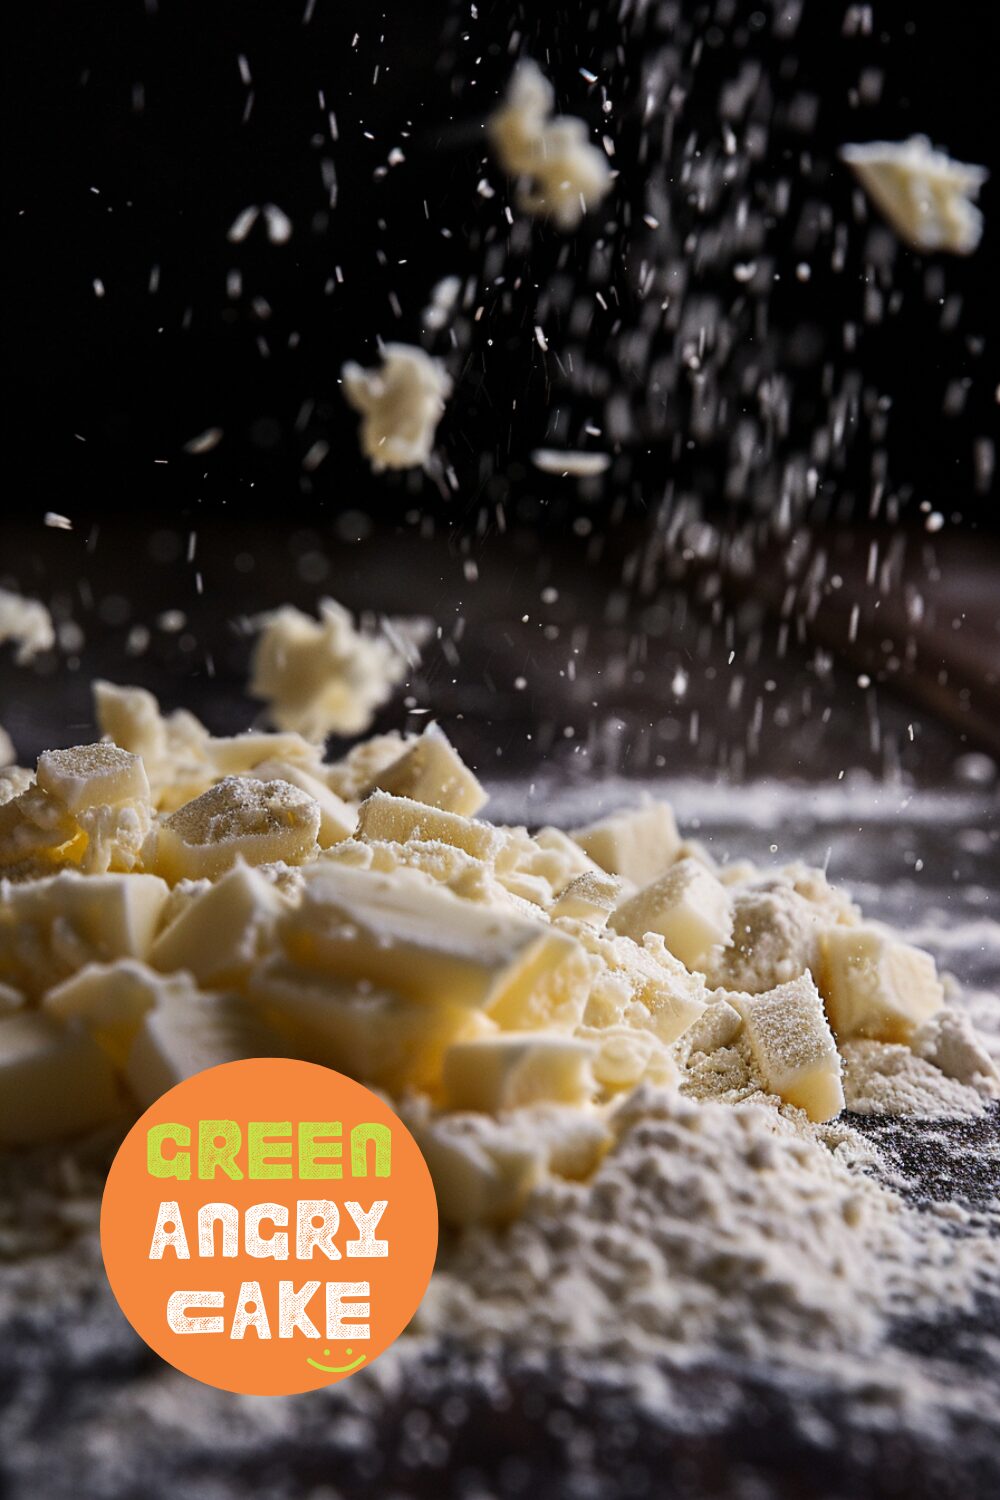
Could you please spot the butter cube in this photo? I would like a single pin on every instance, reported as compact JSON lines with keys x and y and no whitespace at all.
{"x":369,"y":1033}
{"x":430,"y":771}
{"x":636,"y":984}
{"x":222,"y":932}
{"x":110,"y":1000}
{"x":54,"y":1081}
{"x":337,"y":819}
{"x":590,"y":898}
{"x":239,"y":819}
{"x":793,"y":1047}
{"x":641,"y":844}
{"x":182,"y":1036}
{"x":399,"y":820}
{"x":92,"y":776}
{"x":876,"y":986}
{"x":508,"y":1070}
{"x":130,"y":716}
{"x":420,"y":940}
{"x":687,"y":906}
{"x":51,"y":927}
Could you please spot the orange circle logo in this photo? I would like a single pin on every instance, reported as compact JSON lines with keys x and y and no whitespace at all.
{"x":269,"y":1226}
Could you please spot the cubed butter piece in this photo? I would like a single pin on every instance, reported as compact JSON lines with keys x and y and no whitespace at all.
{"x":239,"y":819}
{"x":590,"y":898}
{"x":92,"y":776}
{"x":54,"y":1081}
{"x":369,"y":1033}
{"x":222,"y":932}
{"x":687,"y":906}
{"x":337,"y":819}
{"x":507,"y":1070}
{"x":50,"y":928}
{"x":420,"y":940}
{"x":793,"y":1047}
{"x":640,"y":844}
{"x":876,"y":986}
{"x":400,"y":820}
{"x":110,"y":1000}
{"x":130,"y":716}
{"x":636,"y":984}
{"x":430,"y":771}
{"x":183,"y":1035}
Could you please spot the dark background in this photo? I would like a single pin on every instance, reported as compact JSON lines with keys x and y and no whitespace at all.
{"x":133,"y":143}
{"x":576,"y":621}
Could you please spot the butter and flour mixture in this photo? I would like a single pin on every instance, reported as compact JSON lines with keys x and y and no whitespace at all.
{"x":628,"y":1066}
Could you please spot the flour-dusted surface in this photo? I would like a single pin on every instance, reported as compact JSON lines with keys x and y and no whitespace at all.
{"x":733,"y":1307}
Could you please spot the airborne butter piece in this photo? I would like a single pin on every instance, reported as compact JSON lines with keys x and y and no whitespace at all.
{"x":793,"y":1047}
{"x":641,"y":844}
{"x":876,"y":986}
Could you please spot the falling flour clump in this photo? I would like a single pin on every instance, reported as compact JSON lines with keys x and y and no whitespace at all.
{"x":400,"y":403}
{"x":26,"y":623}
{"x":560,"y":173}
{"x":926,"y":196}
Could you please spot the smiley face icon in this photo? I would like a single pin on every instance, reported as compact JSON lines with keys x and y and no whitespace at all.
{"x":337,"y":1369}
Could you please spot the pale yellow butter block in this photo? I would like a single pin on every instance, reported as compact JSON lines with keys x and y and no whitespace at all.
{"x":687,"y":906}
{"x":507,"y":1070}
{"x":239,"y":819}
{"x":419,"y":939}
{"x":221,"y":932}
{"x":793,"y":1047}
{"x":635,"y":984}
{"x":110,"y":1000}
{"x":98,"y":775}
{"x":51,"y":927}
{"x":624,"y":1057}
{"x":54,"y":1081}
{"x":337,"y":819}
{"x":876,"y":986}
{"x":182,"y":1035}
{"x":481,"y":1174}
{"x":717,"y":1026}
{"x":367,"y":1032}
{"x":431,"y":771}
{"x":640,"y":845}
{"x":130,"y":716}
{"x":400,"y":820}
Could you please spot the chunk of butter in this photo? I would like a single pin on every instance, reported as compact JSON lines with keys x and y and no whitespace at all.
{"x":221,"y":932}
{"x":92,"y":776}
{"x":399,"y":819}
{"x":110,"y":1000}
{"x":430,"y":771}
{"x":182,"y":1035}
{"x":368,"y":1032}
{"x":51,"y":927}
{"x":425,"y":943}
{"x":793,"y":1047}
{"x":239,"y":819}
{"x":590,"y":898}
{"x":337,"y":819}
{"x":507,"y":1070}
{"x":874,"y":985}
{"x":54,"y":1081}
{"x":687,"y":906}
{"x":401,"y":403}
{"x":636,"y":984}
{"x":640,"y":844}
{"x":924,"y":194}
